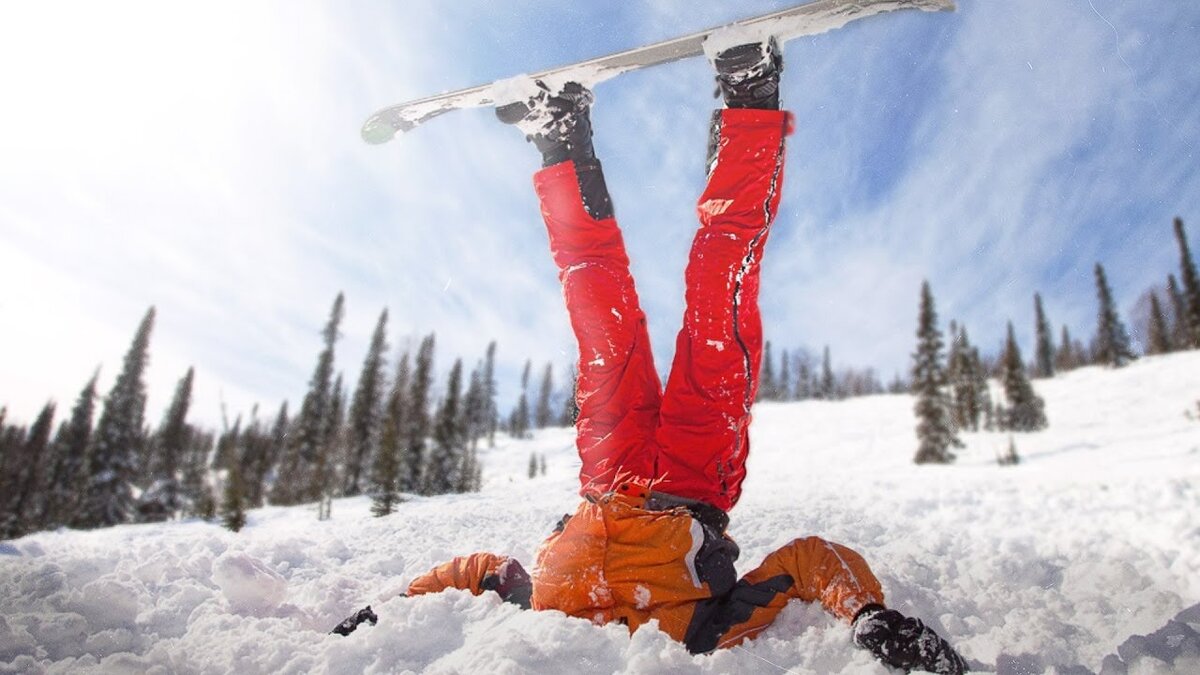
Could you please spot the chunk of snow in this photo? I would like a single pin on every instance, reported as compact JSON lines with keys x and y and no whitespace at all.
{"x":249,"y":586}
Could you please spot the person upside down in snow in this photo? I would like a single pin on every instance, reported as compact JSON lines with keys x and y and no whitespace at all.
{"x":662,"y":467}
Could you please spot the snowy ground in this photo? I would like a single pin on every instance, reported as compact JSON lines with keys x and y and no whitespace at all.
{"x":1049,"y":566}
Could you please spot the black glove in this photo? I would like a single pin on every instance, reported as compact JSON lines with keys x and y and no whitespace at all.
{"x":348,"y":625}
{"x":905,"y":642}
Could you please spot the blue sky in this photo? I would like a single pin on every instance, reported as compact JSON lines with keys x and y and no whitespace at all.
{"x":204,"y":158}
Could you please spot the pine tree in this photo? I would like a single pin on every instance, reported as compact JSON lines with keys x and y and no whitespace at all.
{"x":804,"y":376}
{"x":475,"y":408}
{"x":442,"y":471}
{"x":533,"y":465}
{"x":164,"y":498}
{"x":983,"y":396}
{"x":385,"y":474}
{"x":1160,"y":335}
{"x":570,"y":411}
{"x":197,"y":479}
{"x":934,"y":429}
{"x":1044,"y":362}
{"x":233,"y":504}
{"x":492,"y":414}
{"x":257,"y":447}
{"x":1112,"y":341}
{"x":1064,"y":358}
{"x":766,"y":387}
{"x":1180,"y":331}
{"x":277,"y":449}
{"x":783,"y":384}
{"x":326,"y":482}
{"x":23,"y":504}
{"x":117,"y":444}
{"x":1191,"y":285}
{"x":959,"y":379}
{"x":542,"y":416}
{"x":1025,"y":410}
{"x":366,"y":412}
{"x":418,"y":418}
{"x":518,"y":422}
{"x":827,"y":390}
{"x":1010,"y":457}
{"x":70,"y":459}
{"x":298,"y":478}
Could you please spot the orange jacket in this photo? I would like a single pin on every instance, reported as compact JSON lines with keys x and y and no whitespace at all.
{"x":617,"y":560}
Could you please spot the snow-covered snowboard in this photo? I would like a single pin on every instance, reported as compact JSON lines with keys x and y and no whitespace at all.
{"x":808,"y":19}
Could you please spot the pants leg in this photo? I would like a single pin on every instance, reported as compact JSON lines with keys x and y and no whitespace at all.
{"x":810,"y":569}
{"x":703,"y":432}
{"x":618,"y":390}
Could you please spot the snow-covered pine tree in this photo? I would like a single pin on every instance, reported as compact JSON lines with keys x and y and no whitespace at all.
{"x":257,"y":443}
{"x":117,"y":443}
{"x":163,"y":498}
{"x":1191,"y":285}
{"x":983,"y":394}
{"x":417,"y":417}
{"x":959,"y":379}
{"x":276,"y":452}
{"x":386,"y":470}
{"x":296,"y":480}
{"x":1044,"y":356}
{"x":70,"y":446}
{"x":24,"y":499}
{"x":542,"y":463}
{"x":366,"y":412}
{"x":1112,"y":340}
{"x":935,"y":432}
{"x":1180,"y":331}
{"x":1159,"y":341}
{"x":1025,"y":410}
{"x":331,"y":459}
{"x":542,"y":415}
{"x":445,"y":457}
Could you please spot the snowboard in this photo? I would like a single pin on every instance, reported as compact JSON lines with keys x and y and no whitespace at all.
{"x":811,"y":18}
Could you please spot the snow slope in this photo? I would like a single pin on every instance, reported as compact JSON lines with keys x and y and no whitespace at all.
{"x":1049,"y":566}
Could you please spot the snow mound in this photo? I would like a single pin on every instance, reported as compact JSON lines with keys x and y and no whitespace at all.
{"x":249,"y":586}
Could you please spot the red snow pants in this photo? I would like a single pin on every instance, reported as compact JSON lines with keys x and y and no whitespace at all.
{"x":691,"y":439}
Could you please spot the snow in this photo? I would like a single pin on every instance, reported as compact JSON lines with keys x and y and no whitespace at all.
{"x":1084,"y":556}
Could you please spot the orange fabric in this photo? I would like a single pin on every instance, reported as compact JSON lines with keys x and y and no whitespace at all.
{"x":616,"y":561}
{"x":464,"y":572}
{"x":821,"y":571}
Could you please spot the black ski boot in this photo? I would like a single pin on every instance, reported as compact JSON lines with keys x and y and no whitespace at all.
{"x":558,"y":123}
{"x":748,"y":75}
{"x":904,"y":642}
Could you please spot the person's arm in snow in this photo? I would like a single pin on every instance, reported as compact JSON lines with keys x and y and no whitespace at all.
{"x":477,"y":573}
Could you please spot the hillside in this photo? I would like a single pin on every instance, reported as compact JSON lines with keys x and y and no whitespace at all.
{"x":1051,"y":564}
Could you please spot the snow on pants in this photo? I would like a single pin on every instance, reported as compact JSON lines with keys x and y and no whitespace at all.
{"x":690,"y":440}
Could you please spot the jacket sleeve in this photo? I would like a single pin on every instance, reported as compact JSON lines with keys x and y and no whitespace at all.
{"x":477,"y":573}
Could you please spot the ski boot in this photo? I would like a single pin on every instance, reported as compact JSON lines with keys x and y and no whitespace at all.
{"x":904,"y":642}
{"x":748,"y":75}
{"x":558,"y":123}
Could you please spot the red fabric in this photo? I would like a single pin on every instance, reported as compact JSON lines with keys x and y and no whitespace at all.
{"x":691,"y":440}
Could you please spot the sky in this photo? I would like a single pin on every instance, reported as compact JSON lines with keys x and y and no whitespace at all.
{"x":204,"y":158}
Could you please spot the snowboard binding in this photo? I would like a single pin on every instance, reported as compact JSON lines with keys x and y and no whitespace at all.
{"x":748,"y":75}
{"x":558,"y":123}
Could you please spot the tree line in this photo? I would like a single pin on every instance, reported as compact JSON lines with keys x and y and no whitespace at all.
{"x":951,"y":389}
{"x":387,"y":438}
